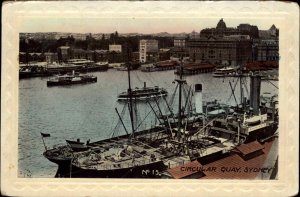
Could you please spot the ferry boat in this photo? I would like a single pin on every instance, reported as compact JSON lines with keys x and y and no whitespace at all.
{"x":70,"y":79}
{"x":143,"y":93}
{"x":225,"y":71}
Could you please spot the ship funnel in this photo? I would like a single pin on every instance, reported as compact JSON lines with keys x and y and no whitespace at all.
{"x":255,"y":83}
{"x":198,"y":98}
{"x":144,"y":84}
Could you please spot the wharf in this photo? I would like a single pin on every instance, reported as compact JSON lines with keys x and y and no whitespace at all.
{"x":160,"y":66}
{"x":195,"y":68}
{"x":42,"y":69}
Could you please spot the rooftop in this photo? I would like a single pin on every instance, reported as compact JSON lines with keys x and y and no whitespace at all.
{"x":251,"y":147}
{"x":185,"y":170}
{"x":236,"y":162}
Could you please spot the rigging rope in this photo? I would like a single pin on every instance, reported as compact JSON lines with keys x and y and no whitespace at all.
{"x":173,"y":96}
{"x":272,"y":84}
{"x":117,"y":127}
{"x":233,"y":91}
{"x":245,"y":85}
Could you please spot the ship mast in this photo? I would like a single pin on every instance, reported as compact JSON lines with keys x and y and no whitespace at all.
{"x":27,"y":45}
{"x":180,"y":81}
{"x":130,"y":92}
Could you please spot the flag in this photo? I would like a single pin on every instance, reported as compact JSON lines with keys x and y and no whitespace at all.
{"x":45,"y":134}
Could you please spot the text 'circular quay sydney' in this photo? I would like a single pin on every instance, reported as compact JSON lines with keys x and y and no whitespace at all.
{"x":199,"y":105}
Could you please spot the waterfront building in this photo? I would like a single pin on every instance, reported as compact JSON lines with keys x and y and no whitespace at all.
{"x":135,"y":56}
{"x":101,"y":55}
{"x":271,"y":33}
{"x":222,"y":30}
{"x":78,"y":54}
{"x":180,"y":48}
{"x":180,"y":42}
{"x":148,"y":50}
{"x":90,"y":55}
{"x":28,"y":57}
{"x":164,"y":54}
{"x":268,"y":50}
{"x":247,"y":29}
{"x":116,"y":57}
{"x":227,"y":50}
{"x":115,"y":47}
{"x":64,"y":53}
{"x":50,"y":57}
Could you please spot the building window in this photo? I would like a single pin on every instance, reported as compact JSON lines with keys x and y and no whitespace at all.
{"x":211,"y":51}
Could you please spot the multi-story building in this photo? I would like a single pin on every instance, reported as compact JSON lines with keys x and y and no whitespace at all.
{"x":50,"y":57}
{"x":115,"y":47}
{"x":267,"y":46}
{"x":227,"y":50}
{"x":101,"y":55}
{"x":271,"y":33}
{"x":180,"y":48}
{"x":180,"y":42}
{"x":29,"y":57}
{"x":78,"y":54}
{"x":268,"y":50}
{"x":222,"y":30}
{"x":148,"y":50}
{"x":64,"y":53}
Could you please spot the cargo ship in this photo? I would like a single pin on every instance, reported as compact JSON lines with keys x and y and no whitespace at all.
{"x":148,"y":154}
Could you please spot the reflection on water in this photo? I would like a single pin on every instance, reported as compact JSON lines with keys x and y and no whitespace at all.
{"x":87,"y":111}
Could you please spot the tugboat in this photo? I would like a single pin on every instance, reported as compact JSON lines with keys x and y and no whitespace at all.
{"x":70,"y":79}
{"x":143,"y":93}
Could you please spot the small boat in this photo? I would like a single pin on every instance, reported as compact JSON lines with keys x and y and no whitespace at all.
{"x":133,"y":66}
{"x":77,"y":145}
{"x":149,"y":68}
{"x":226,"y":71}
{"x":70,"y":79}
{"x":143,"y":93}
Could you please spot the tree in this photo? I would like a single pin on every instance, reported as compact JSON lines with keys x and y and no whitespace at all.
{"x":112,"y":38}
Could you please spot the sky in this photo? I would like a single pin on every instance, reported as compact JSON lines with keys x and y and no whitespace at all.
{"x":132,"y":25}
{"x":139,"y":16}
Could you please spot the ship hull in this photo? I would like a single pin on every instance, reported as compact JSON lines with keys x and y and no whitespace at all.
{"x":262,"y":134}
{"x":151,"y":170}
{"x":60,"y":162}
{"x":63,"y":83}
{"x":144,"y":98}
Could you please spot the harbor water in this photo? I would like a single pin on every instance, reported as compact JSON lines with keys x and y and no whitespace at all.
{"x":88,"y":111}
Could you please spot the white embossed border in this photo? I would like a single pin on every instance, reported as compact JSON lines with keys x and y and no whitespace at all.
{"x":286,"y":17}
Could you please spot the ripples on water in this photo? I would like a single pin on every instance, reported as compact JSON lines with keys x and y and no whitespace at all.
{"x":87,"y":111}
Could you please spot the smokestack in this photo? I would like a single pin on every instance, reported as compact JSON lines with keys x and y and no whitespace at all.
{"x":144,"y":84}
{"x":198,"y":98}
{"x":255,"y":83}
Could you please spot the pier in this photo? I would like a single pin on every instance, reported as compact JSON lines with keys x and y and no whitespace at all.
{"x":196,"y":68}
